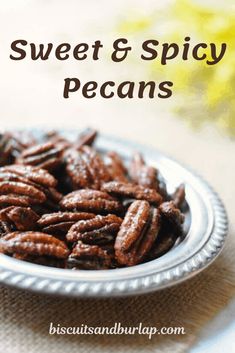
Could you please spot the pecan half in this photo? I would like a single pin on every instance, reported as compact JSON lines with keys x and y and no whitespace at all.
{"x":137,"y":233}
{"x":78,"y":170}
{"x":88,"y":257}
{"x":20,"y":141}
{"x":50,"y":193}
{"x":34,"y":174}
{"x":19,"y":194}
{"x":46,"y":156}
{"x":20,"y":218}
{"x":87,"y":137}
{"x":17,"y":188}
{"x":97,"y":169}
{"x":179,"y":196}
{"x":33,"y":243}
{"x":57,"y":139}
{"x":89,"y":200}
{"x":98,"y":230}
{"x":143,"y":174}
{"x":16,"y":200}
{"x":60,"y":222}
{"x":5,"y":149}
{"x":85,"y":168}
{"x":172,"y":216}
{"x":138,"y":192}
{"x":116,"y":168}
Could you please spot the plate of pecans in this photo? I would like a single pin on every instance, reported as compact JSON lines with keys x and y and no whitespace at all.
{"x":87,"y":215}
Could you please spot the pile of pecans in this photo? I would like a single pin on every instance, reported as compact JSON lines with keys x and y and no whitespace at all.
{"x":62,"y":204}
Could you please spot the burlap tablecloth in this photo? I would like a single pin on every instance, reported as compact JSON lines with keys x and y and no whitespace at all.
{"x":25,"y":317}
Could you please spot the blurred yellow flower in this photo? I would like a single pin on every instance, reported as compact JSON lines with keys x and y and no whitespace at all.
{"x":205,"y":93}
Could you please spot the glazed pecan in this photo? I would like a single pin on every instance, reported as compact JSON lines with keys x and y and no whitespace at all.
{"x":16,"y":200}
{"x":77,"y":170}
{"x":19,"y":194}
{"x":6,"y":156}
{"x":46,"y":156}
{"x":143,"y":174}
{"x":137,"y":233}
{"x":97,"y":169}
{"x":172,"y":217}
{"x":60,"y":222}
{"x":116,"y":168}
{"x":9,"y":176}
{"x":18,"y":188}
{"x":85,"y":168}
{"x":98,"y":230}
{"x":5,"y":227}
{"x":89,"y":200}
{"x":89,"y":257}
{"x":129,"y":190}
{"x":179,"y":196}
{"x":53,"y":197}
{"x":34,"y":174}
{"x":20,"y":140}
{"x":20,"y":218}
{"x":57,"y":139}
{"x":33,"y":243}
{"x":87,"y":137}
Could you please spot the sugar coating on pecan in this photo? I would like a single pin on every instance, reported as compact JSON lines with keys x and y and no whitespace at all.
{"x":46,"y":156}
{"x":133,"y":225}
{"x":20,"y":141}
{"x":85,"y":168}
{"x":35,"y":174}
{"x":89,"y":257}
{"x":143,"y":174}
{"x":5,"y":227}
{"x":137,"y":233}
{"x":33,"y":243}
{"x":87,"y":137}
{"x":16,"y":200}
{"x":34,"y":186}
{"x":77,"y":169}
{"x":179,"y":196}
{"x":58,"y":217}
{"x":61,"y":222}
{"x":57,"y":139}
{"x":171,"y":212}
{"x":18,"y":188}
{"x":138,"y":192}
{"x":91,"y":201}
{"x":116,"y":167}
{"x":21,"y":218}
{"x":93,"y":228}
{"x":98,"y":171}
{"x":5,"y":149}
